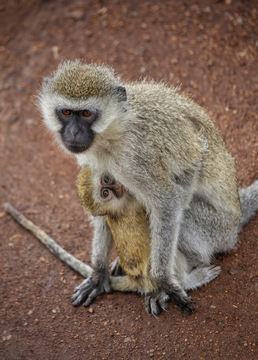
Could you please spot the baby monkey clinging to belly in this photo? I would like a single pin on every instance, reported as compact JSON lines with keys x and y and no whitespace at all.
{"x":101,"y":195}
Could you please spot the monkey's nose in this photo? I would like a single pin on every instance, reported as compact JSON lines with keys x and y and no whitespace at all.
{"x":74,"y":132}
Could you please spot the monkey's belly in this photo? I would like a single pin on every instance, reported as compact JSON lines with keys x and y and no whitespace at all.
{"x":132,"y":238}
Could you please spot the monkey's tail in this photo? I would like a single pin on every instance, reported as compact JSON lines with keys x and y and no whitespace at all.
{"x":249,"y":202}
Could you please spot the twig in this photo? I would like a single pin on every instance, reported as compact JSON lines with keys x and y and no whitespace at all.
{"x":75,"y":264}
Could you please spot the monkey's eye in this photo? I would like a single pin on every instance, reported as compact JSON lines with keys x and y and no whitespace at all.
{"x":106,"y":180}
{"x":105,"y":193}
{"x":66,"y":112}
{"x":86,"y":113}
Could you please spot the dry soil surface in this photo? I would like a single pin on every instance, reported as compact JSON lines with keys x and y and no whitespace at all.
{"x":210,"y":49}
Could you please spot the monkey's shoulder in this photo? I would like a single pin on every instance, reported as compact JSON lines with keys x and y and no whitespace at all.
{"x":161,"y":109}
{"x":158,"y":93}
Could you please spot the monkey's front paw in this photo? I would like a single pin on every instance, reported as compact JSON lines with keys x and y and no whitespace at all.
{"x":156,"y":302}
{"x":87,"y":290}
{"x":182,"y":300}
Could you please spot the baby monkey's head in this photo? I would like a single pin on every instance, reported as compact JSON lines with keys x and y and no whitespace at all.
{"x":101,"y":194}
{"x":109,"y":189}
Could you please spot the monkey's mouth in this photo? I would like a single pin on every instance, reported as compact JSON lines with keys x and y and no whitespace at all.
{"x":76,"y":148}
{"x":120,"y":191}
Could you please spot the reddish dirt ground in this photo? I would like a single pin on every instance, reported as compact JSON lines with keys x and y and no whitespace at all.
{"x":210,"y":48}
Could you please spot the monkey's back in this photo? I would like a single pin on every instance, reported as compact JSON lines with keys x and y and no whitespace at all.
{"x":182,"y":134}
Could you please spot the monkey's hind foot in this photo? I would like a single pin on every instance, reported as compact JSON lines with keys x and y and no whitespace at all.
{"x":156,"y":302}
{"x":200,"y":276}
{"x":116,"y":268}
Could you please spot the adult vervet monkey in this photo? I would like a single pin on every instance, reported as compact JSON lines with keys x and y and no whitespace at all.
{"x":165,"y":150}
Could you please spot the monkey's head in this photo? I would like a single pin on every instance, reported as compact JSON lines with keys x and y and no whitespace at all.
{"x":74,"y":103}
{"x":102,"y":194}
{"x":111,"y":197}
{"x":109,"y":189}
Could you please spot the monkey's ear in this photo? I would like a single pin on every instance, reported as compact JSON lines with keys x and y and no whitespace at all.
{"x":121,"y":93}
{"x":48,"y":80}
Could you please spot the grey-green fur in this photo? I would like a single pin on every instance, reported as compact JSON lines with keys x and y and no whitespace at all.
{"x":78,"y":80}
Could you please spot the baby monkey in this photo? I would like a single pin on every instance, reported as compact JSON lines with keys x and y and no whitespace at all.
{"x":102,"y":195}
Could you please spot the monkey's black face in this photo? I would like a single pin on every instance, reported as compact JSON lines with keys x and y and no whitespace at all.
{"x":76,"y":132}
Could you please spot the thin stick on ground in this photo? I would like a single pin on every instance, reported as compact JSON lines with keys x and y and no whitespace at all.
{"x":77,"y":265}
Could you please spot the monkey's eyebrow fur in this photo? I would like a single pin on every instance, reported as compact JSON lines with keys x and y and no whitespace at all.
{"x":77,"y":265}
